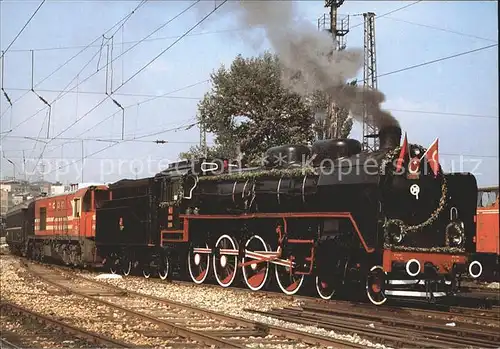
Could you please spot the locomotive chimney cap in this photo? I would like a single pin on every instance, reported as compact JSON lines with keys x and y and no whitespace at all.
{"x":390,"y":137}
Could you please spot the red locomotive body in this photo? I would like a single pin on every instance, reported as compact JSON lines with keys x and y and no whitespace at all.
{"x":487,"y":257}
{"x":64,"y":226}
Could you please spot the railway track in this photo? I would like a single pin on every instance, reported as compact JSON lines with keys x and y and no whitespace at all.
{"x":30,"y":330}
{"x":181,"y":325}
{"x":5,"y":344}
{"x":437,"y":336}
{"x":403,"y":329}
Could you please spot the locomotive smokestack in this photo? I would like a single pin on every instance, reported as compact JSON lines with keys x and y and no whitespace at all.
{"x":390,"y":137}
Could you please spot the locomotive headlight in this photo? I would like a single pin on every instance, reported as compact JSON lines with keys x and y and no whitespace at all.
{"x":455,"y":234}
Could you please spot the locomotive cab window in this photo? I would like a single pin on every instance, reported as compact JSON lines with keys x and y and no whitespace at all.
{"x":76,"y":208}
{"x":87,"y":201}
{"x":170,"y":189}
{"x":99,"y":197}
{"x":43,"y":218}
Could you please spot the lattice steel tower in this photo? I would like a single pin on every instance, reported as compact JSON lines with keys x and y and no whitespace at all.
{"x":331,"y":23}
{"x":338,"y":28}
{"x":370,"y":79}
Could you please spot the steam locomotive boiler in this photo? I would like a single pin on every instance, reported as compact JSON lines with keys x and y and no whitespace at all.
{"x":331,"y":212}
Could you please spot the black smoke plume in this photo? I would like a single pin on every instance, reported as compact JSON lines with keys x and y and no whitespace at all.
{"x":309,"y":59}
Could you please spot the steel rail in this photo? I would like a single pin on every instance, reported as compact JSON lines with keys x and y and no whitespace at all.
{"x":265,"y":329}
{"x":89,"y":336}
{"x":5,"y":344}
{"x":174,"y":329}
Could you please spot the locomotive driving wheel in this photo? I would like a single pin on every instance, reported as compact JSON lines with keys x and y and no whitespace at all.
{"x":225,"y":260}
{"x":375,"y":285}
{"x":198,"y":262}
{"x":164,"y":268}
{"x":288,"y":282}
{"x":255,"y":274}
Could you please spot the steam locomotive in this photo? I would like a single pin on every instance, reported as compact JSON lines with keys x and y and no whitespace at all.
{"x":333,"y":212}
{"x":345,"y":218}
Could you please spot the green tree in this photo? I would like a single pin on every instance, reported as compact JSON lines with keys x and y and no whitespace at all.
{"x":330,"y":121}
{"x":249,"y":110}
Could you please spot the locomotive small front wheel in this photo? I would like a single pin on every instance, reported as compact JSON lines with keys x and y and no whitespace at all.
{"x":325,"y":287}
{"x":255,"y":274}
{"x":375,"y":285}
{"x":146,"y":272}
{"x":164,"y":268}
{"x":225,"y":261}
{"x":288,"y":283}
{"x":199,"y":262}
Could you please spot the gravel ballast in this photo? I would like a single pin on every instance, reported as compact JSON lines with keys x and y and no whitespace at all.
{"x":226,"y":301}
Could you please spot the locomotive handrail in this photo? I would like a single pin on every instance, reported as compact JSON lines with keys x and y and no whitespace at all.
{"x":204,"y":164}
{"x":191,"y":191}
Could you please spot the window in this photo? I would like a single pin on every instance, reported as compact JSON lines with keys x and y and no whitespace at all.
{"x":87,"y":201}
{"x":43,"y":218}
{"x":486,"y":198}
{"x":76,"y":208}
{"x":100,"y":196}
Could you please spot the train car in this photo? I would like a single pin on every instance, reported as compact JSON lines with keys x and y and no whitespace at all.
{"x":64,"y":226}
{"x":347,"y":219}
{"x":126,"y":232}
{"x":486,"y":259}
{"x":20,"y":226}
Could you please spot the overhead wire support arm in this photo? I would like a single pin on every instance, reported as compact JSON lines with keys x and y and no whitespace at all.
{"x":123,"y":113}
{"x":3,"y":73}
{"x":33,"y":90}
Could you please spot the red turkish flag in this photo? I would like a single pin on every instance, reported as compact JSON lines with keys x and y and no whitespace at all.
{"x":414,"y":166}
{"x":402,"y":154}
{"x":432,"y":157}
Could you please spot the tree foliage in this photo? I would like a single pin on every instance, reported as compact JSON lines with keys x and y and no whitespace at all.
{"x":250,"y":111}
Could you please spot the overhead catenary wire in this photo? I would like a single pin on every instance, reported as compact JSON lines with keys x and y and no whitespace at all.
{"x":114,"y":144}
{"x":390,"y":12}
{"x":185,"y":125}
{"x":123,"y":21}
{"x":22,"y":29}
{"x":437,"y":60}
{"x":433,"y":61}
{"x":120,"y":23}
{"x":167,"y":96}
{"x":144,"y":67}
{"x":441,"y":29}
{"x":121,"y":85}
{"x":140,"y":103}
{"x":94,"y":73}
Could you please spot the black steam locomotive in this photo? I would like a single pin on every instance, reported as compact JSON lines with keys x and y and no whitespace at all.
{"x":345,"y":217}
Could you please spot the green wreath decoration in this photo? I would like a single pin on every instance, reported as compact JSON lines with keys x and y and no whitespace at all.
{"x":292,"y":172}
{"x":404,"y":228}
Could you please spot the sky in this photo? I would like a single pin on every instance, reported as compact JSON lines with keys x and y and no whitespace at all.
{"x":455,"y":100}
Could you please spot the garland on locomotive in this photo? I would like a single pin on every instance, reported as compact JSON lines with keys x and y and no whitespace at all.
{"x":333,"y":212}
